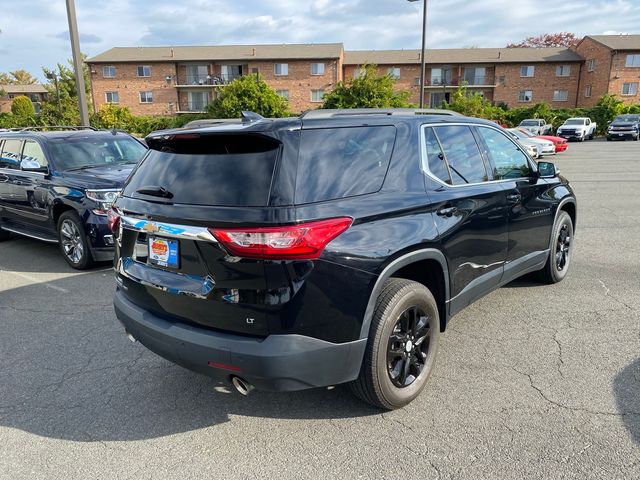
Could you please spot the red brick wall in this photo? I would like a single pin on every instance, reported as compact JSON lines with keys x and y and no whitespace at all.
{"x":543,"y":84}
{"x":621,"y":74}
{"x":129,"y":85}
{"x":299,"y":81}
{"x":599,"y":78}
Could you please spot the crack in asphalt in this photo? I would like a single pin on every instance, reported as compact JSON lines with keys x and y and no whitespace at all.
{"x":568,"y":407}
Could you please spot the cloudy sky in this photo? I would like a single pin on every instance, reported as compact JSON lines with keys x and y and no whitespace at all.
{"x":34,"y":32}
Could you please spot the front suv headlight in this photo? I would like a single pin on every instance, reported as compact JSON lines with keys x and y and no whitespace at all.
{"x":103,"y":199}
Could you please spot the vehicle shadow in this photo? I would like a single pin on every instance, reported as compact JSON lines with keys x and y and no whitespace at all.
{"x":49,"y":259}
{"x":626,"y":387}
{"x":69,"y":372}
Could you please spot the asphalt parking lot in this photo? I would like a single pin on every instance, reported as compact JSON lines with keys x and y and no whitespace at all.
{"x":531,"y":382}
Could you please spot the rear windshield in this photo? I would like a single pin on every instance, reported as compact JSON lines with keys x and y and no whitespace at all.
{"x":342,"y":162}
{"x":223,"y":170}
{"x":95,"y":151}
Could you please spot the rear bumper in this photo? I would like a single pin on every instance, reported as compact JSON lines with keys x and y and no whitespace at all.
{"x":277,"y":362}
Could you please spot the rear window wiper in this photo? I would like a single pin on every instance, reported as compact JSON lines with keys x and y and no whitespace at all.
{"x":155,"y":191}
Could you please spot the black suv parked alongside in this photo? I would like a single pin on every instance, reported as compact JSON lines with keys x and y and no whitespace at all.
{"x":331,"y":248}
{"x":58,"y":186}
{"x":624,"y":127}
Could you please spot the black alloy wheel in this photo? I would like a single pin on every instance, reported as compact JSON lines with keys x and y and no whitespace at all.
{"x":408,"y":347}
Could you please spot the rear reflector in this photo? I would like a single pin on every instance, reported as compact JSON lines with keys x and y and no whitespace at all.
{"x":113,"y":219}
{"x":304,"y":241}
{"x":224,"y":366}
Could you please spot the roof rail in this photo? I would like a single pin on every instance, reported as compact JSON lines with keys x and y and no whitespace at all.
{"x":55,"y":127}
{"x":329,"y":113}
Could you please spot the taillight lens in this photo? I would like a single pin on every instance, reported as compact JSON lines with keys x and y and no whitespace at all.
{"x":304,"y":241}
{"x":113,"y":219}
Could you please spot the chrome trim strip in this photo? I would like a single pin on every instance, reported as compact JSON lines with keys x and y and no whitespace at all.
{"x":186,"y":232}
{"x":35,"y":237}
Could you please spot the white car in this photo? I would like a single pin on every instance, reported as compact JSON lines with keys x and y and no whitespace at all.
{"x":545,"y":147}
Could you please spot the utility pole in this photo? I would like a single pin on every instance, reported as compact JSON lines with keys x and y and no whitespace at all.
{"x":424,"y":51}
{"x":77,"y":63}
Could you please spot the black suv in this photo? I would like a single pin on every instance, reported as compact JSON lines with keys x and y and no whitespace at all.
{"x":58,"y":186}
{"x":623,"y":127}
{"x":331,"y":248}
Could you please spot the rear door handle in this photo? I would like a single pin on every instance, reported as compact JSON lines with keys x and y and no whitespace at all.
{"x":513,"y":198}
{"x":447,"y":211}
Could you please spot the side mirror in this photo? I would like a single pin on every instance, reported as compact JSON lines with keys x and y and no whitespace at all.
{"x":27,"y":165}
{"x":547,"y":170}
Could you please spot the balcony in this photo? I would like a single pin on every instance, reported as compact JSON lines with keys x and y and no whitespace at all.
{"x":444,"y":82}
{"x":206,"y":80}
{"x":198,"y":106}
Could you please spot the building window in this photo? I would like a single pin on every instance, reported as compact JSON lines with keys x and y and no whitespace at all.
{"x":281,"y":69}
{"x":525,"y":95}
{"x":316,"y":95}
{"x":633,"y":61}
{"x":317,"y":69}
{"x":109,"y":71}
{"x":630,"y":88}
{"x":144,"y":71}
{"x":587,"y":91}
{"x":284,"y":94}
{"x":146,"y":97}
{"x":563,"y":70}
{"x":591,"y":65}
{"x":560,"y":95}
{"x":527,"y":70}
{"x":112,"y":97}
{"x":395,"y":73}
{"x":358,"y":72}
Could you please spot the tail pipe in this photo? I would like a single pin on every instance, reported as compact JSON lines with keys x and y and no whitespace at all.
{"x":241,"y":385}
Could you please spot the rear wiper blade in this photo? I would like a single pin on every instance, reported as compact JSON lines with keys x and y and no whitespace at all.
{"x":155,"y":191}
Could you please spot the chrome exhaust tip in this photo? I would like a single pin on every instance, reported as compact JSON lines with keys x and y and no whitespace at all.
{"x":131,"y":338}
{"x":242,"y":386}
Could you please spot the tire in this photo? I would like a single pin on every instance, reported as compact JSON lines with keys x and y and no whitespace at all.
{"x":591,"y":136}
{"x":608,"y":139}
{"x":583,"y":138}
{"x":559,"y":260}
{"x":399,"y":302}
{"x":73,"y":242}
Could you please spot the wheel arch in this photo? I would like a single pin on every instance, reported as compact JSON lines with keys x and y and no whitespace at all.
{"x":427,"y":266}
{"x":58,"y":209}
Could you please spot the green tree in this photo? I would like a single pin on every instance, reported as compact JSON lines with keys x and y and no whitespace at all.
{"x":67,"y":112}
{"x":22,"y":107}
{"x":606,"y":110}
{"x":473,"y":104}
{"x":248,"y":93}
{"x":17,"y":77}
{"x":113,"y":116}
{"x":369,"y":90}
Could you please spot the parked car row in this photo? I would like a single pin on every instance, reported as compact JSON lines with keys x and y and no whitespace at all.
{"x":300,"y":252}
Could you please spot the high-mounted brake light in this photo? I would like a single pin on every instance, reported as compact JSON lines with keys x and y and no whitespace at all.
{"x":304,"y":241}
{"x":113,"y":219}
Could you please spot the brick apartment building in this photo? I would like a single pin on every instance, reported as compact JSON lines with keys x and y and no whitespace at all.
{"x":512,"y":76}
{"x":36,"y":92}
{"x":170,"y":80}
{"x":612,"y":65}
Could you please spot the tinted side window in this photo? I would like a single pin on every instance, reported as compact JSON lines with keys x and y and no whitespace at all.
{"x":10,"y":156}
{"x":32,"y":155}
{"x":462,"y":154}
{"x":435,"y":157}
{"x":507,"y":160}
{"x":342,"y":162}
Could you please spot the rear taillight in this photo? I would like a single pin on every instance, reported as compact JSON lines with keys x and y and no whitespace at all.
{"x":113,"y":219}
{"x":304,"y":241}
